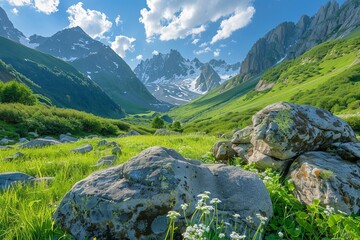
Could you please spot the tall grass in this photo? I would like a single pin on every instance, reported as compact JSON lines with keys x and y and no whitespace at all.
{"x":26,"y":211}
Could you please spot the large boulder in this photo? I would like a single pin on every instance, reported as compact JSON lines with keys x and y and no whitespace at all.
{"x":348,"y":151}
{"x":40,"y":142}
{"x":244,"y":151}
{"x":243,"y":136}
{"x":327,"y":177}
{"x":283,"y":130}
{"x":223,"y":151}
{"x":262,"y":162}
{"x":131,"y":201}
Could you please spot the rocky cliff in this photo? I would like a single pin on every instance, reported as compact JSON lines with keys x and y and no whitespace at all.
{"x":289,"y":40}
{"x":208,"y":79}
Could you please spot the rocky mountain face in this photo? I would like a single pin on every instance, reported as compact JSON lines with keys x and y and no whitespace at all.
{"x":101,"y":64}
{"x":7,"y":29}
{"x":289,"y":40}
{"x":172,"y":78}
{"x":208,"y":79}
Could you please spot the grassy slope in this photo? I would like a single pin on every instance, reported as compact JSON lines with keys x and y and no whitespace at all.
{"x":234,"y":108}
{"x":55,"y":79}
{"x":26,"y":212}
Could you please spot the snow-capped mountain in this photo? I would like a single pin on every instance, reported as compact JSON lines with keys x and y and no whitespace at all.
{"x":208,"y":79}
{"x":101,"y":64}
{"x":173,"y":79}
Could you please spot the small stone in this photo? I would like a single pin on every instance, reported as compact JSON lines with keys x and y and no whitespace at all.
{"x":83,"y":149}
{"x":116,"y":151}
{"x":108,"y":160}
{"x":40,"y":142}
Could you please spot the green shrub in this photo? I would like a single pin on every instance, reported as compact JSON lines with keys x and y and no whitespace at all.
{"x":354,"y":122}
{"x":157,"y":122}
{"x":15,"y":92}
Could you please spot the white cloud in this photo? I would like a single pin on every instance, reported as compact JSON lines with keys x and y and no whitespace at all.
{"x":19,"y":3}
{"x":123,"y":44}
{"x":118,"y":20}
{"x":47,"y":6}
{"x":204,"y":44}
{"x":139,"y":57}
{"x":202,"y":51}
{"x":44,"y":6}
{"x":93,"y":22}
{"x":240,"y":19}
{"x":15,"y":11}
{"x":175,"y":19}
{"x":217,"y":53}
{"x":155,"y":53}
{"x":195,"y":41}
{"x":222,"y":45}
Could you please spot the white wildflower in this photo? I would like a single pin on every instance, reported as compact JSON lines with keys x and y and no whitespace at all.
{"x":249,"y":219}
{"x":261,"y":218}
{"x":236,"y":215}
{"x":173,"y":214}
{"x":236,"y":236}
{"x":203,"y":196}
{"x":215,"y":201}
{"x":281,"y":235}
{"x":221,"y":235}
{"x":184,"y":206}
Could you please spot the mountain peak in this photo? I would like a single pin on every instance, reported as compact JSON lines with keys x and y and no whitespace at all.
{"x":7,"y":29}
{"x":208,"y":79}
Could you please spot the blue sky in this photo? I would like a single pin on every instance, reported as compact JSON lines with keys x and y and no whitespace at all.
{"x":222,"y":29}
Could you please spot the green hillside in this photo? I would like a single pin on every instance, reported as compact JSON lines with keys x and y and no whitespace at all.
{"x":327,"y":76}
{"x":54,"y":79}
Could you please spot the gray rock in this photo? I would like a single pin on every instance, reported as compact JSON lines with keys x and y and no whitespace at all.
{"x":50,"y":138}
{"x":111,"y":144}
{"x":263,"y":162}
{"x":263,"y":86}
{"x":102,"y":143}
{"x":33,"y":134}
{"x":15,"y":156}
{"x":10,"y":179}
{"x":83,"y":149}
{"x":243,"y":136}
{"x":244,"y":151}
{"x":347,"y":151}
{"x":165,"y":132}
{"x":6,"y":141}
{"x":5,"y":147}
{"x":40,"y":142}
{"x":283,"y":130}
{"x":131,"y":201}
{"x":325,"y":176}
{"x":223,"y":151}
{"x":92,"y":136}
{"x":116,"y":151}
{"x":23,"y":140}
{"x":108,"y":160}
{"x":65,"y":138}
{"x":130,"y":133}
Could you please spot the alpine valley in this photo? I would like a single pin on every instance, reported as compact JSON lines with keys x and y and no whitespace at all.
{"x":177,"y":80}
{"x":184,"y":145}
